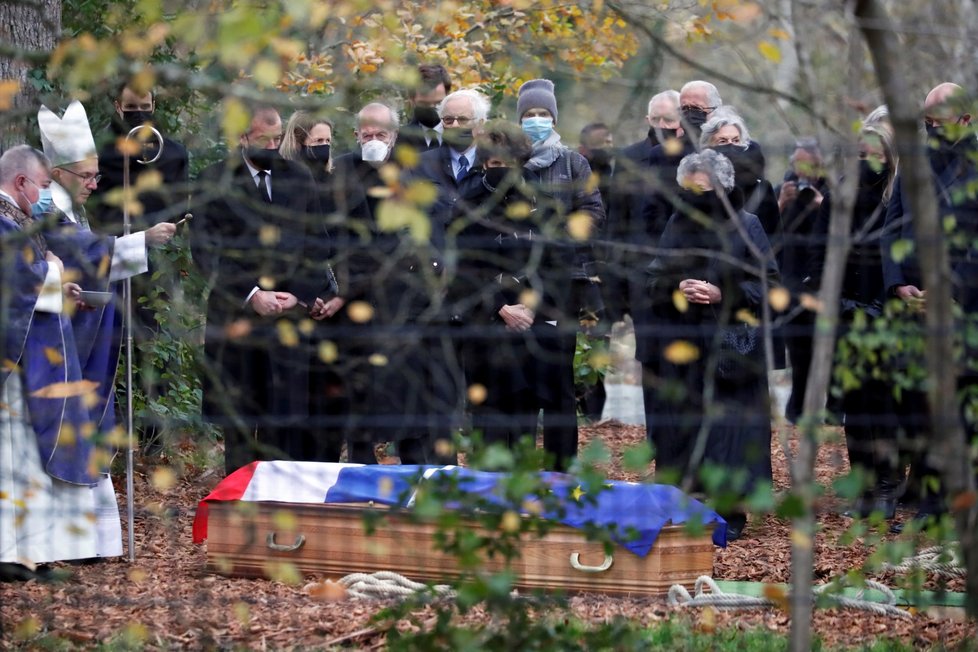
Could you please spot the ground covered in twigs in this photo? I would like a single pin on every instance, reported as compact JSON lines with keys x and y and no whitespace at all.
{"x":167,"y":600}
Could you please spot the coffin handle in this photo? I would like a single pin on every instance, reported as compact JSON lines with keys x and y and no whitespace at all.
{"x":278,"y":547}
{"x":575,"y":562}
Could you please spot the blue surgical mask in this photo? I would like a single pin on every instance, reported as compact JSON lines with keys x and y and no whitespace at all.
{"x":538,"y":128}
{"x":44,"y":202}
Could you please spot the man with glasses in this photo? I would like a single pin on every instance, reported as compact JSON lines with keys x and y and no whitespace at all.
{"x":449,"y":167}
{"x":951,"y":154}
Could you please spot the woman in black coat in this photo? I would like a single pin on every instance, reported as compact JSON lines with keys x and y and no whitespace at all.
{"x":307,"y":140}
{"x":704,"y":381}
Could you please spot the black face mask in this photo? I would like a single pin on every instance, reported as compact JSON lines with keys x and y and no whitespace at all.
{"x":262,"y":158}
{"x":746,"y":172}
{"x":496,"y":177}
{"x":940,"y":150}
{"x":695,"y":118}
{"x":600,"y":158}
{"x":658,"y":136}
{"x":316,"y":153}
{"x":459,"y":138}
{"x":706,"y":202}
{"x":135,"y":119}
{"x":872,"y":178}
{"x":427,"y":116}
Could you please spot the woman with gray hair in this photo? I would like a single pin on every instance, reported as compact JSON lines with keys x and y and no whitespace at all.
{"x":704,"y":379}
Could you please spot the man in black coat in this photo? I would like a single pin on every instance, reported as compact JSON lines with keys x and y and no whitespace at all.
{"x":424,"y":131}
{"x":252,"y":240}
{"x":390,"y":275}
{"x":166,"y":201}
{"x":453,"y":165}
{"x":952,"y":150}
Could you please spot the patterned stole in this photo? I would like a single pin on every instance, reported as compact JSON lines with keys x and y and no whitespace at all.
{"x":30,"y":226}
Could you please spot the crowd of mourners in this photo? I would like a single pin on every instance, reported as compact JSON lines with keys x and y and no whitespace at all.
{"x":434,"y":281}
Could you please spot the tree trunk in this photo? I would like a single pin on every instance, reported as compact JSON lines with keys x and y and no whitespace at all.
{"x":29,"y":30}
{"x":947,"y":438}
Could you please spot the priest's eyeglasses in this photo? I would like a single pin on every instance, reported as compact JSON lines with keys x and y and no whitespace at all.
{"x":86,"y":178}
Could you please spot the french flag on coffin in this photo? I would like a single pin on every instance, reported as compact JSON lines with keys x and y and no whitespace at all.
{"x":634,"y":512}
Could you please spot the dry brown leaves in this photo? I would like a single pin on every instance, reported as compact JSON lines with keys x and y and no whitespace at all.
{"x":166,"y":599}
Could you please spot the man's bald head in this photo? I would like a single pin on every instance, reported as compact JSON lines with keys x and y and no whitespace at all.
{"x":945,"y":103}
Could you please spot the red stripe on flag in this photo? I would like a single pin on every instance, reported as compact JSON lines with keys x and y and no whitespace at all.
{"x":230,"y":488}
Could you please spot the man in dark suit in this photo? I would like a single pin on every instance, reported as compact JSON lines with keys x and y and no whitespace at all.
{"x":642,"y":169}
{"x":424,"y":130}
{"x":450,"y":166}
{"x":390,"y":275}
{"x":166,"y":201}
{"x":252,"y":240}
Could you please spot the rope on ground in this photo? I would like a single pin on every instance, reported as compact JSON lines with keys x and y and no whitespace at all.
{"x":709,"y":594}
{"x":386,"y":584}
{"x":941,"y":561}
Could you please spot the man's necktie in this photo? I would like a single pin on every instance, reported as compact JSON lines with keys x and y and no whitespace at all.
{"x":263,"y":186}
{"x":463,"y":168}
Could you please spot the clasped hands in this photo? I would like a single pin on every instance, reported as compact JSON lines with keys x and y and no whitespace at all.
{"x":700,"y":291}
{"x":269,"y":302}
{"x":517,"y":317}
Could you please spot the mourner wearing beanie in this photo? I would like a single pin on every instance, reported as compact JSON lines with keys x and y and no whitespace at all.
{"x":536,"y":94}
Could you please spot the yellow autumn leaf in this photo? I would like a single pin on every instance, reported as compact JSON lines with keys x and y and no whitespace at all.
{"x":530,"y":299}
{"x":747,"y":317}
{"x":681,"y":352}
{"x":66,"y":389}
{"x":288,"y":335}
{"x":306,"y":327}
{"x":680,"y":301}
{"x":477,"y":393}
{"x":708,"y":620}
{"x":266,"y":282}
{"x":769,"y":51}
{"x":360,"y":311}
{"x":9,"y":88}
{"x":138,"y":575}
{"x":163,"y":479}
{"x":53,"y":355}
{"x":777,"y":595}
{"x":266,"y":72}
{"x":800,"y":539}
{"x":778,"y":33}
{"x":149,"y":180}
{"x":237,"y":329}
{"x":328,"y":352}
{"x":779,"y":298}
{"x":510,"y":522}
{"x":269,"y":235}
{"x":409,"y":157}
{"x":519,"y":210}
{"x":421,"y":193}
{"x":235,"y":120}
{"x":672,"y":146}
{"x":579,"y":226}
{"x":377,"y":360}
{"x":810,"y":302}
{"x":283,"y":519}
{"x":742,"y":12}
{"x":66,"y":435}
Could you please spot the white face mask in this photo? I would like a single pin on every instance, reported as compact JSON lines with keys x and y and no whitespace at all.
{"x":374,"y":151}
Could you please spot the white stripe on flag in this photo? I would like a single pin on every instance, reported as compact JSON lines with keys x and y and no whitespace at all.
{"x":293,"y":482}
{"x":427,"y":476}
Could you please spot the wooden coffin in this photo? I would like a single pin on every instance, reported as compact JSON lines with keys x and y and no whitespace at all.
{"x":254,"y":539}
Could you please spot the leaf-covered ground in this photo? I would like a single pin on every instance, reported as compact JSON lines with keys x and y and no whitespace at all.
{"x":167,"y":600}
